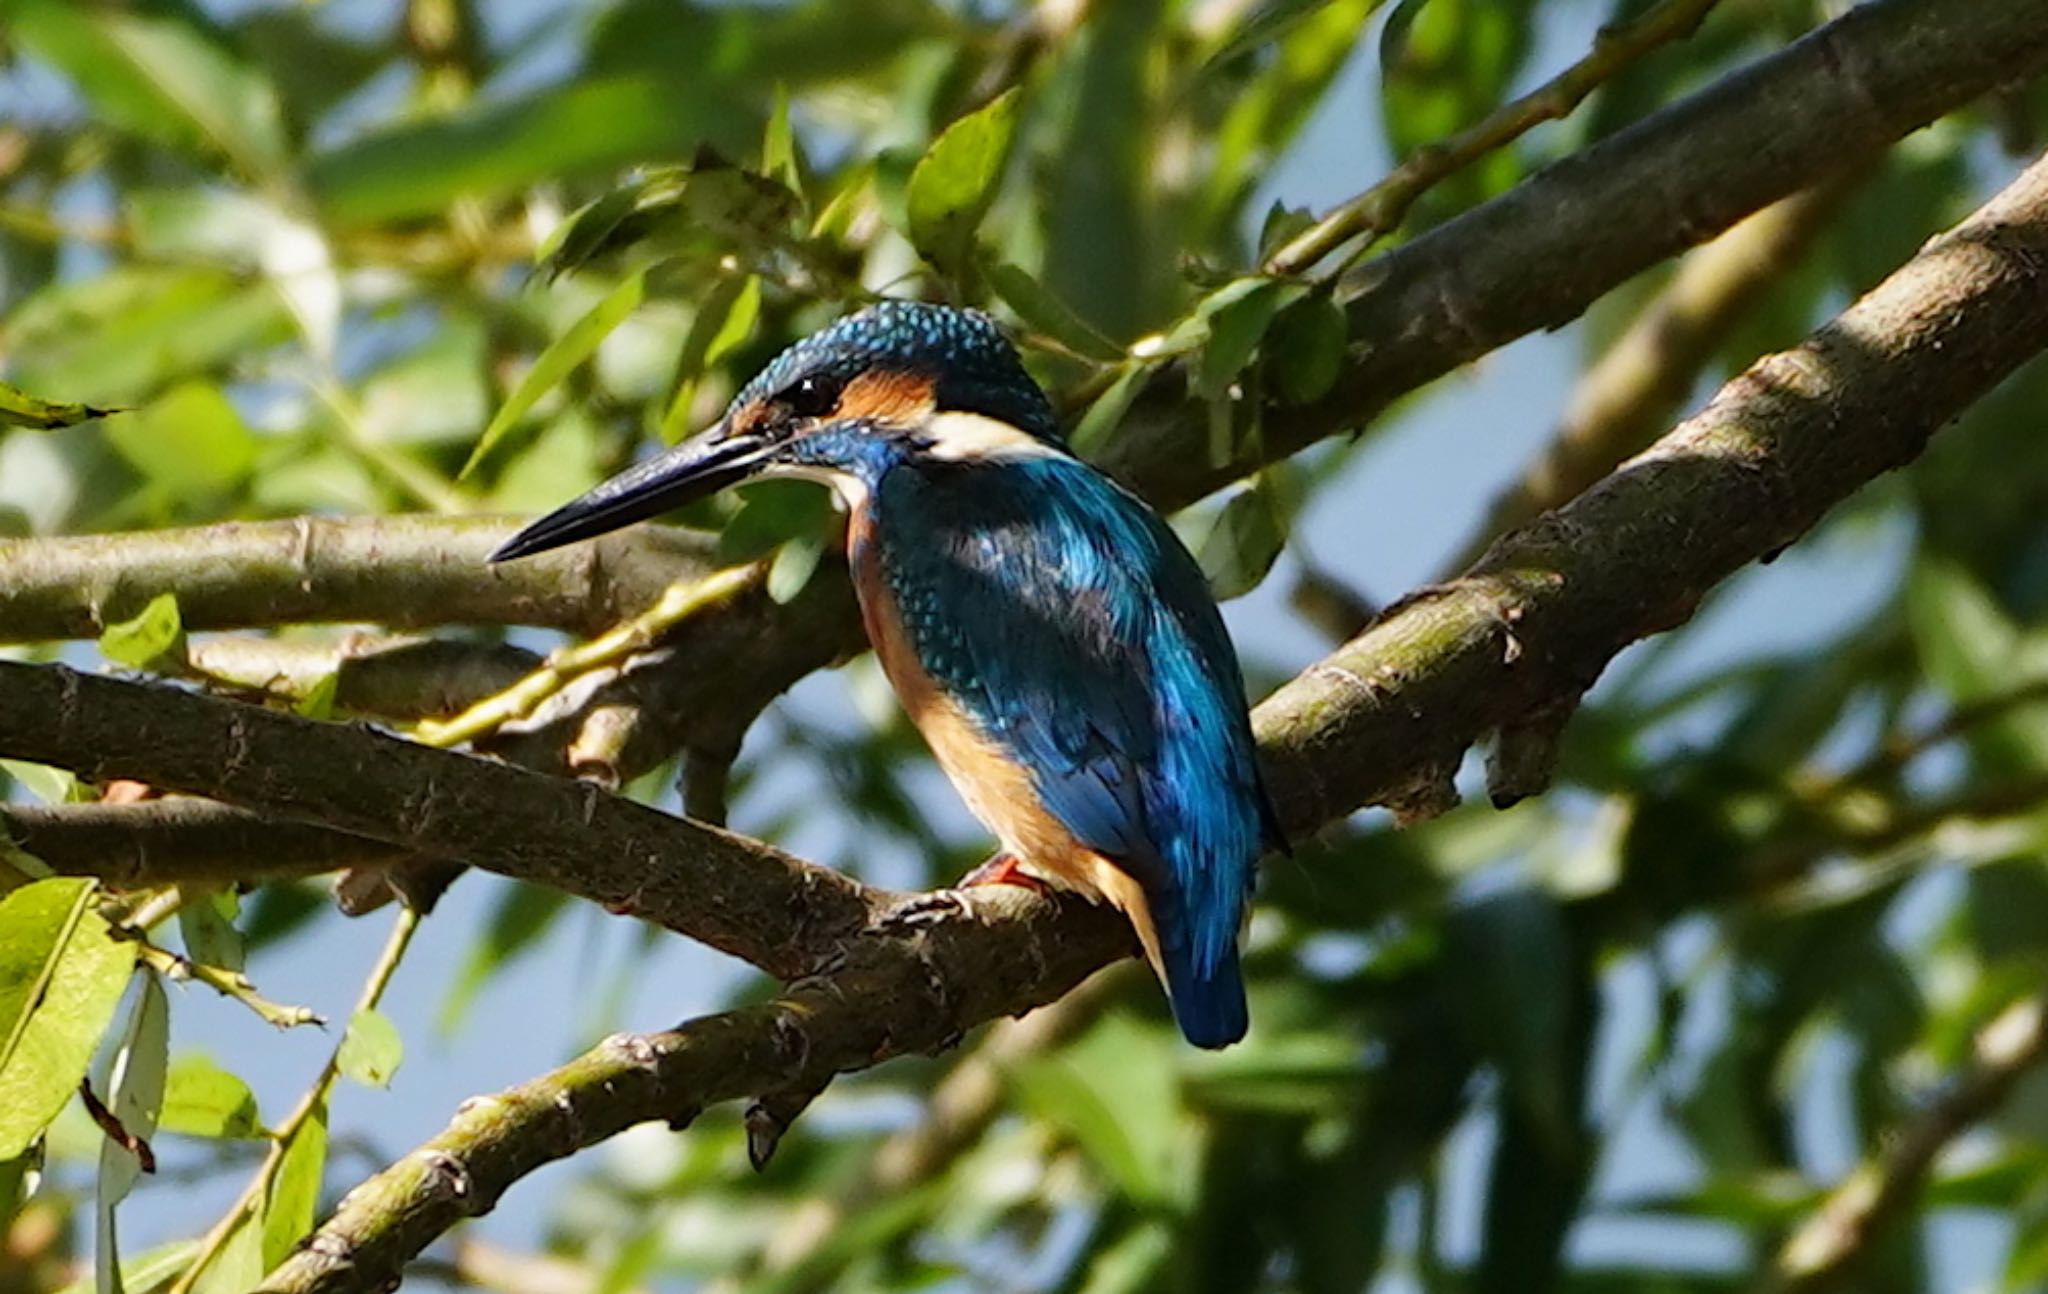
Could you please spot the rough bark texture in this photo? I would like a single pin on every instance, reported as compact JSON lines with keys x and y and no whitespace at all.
{"x":1381,"y":719}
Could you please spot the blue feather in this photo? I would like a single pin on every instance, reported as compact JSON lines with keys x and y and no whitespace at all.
{"x":1075,"y":630}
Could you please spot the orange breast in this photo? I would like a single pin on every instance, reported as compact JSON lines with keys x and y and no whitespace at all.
{"x":998,"y":790}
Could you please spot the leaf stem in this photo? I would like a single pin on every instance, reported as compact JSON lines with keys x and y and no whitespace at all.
{"x":246,"y":1206}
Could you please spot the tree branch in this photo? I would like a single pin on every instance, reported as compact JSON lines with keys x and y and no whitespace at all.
{"x":1826,"y":1247}
{"x":1640,"y":380}
{"x":1538,"y":255}
{"x":1538,"y":618}
{"x":738,"y":895}
{"x":409,"y":572}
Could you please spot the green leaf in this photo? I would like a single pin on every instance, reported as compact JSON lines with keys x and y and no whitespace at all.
{"x":1305,"y":347}
{"x":1039,"y":308}
{"x":203,"y":1100}
{"x":725,"y":318}
{"x":206,"y":921}
{"x":795,"y":562}
{"x":318,"y":702}
{"x":133,"y":1086}
{"x":1510,"y":955}
{"x":295,"y":1191}
{"x":1268,"y":24}
{"x":189,"y":442}
{"x":1108,"y":410}
{"x":161,"y":78}
{"x":956,"y":180}
{"x":704,"y":211}
{"x":50,"y":785}
{"x":371,"y":1050}
{"x":1236,"y":316}
{"x":491,"y":146}
{"x":1242,"y":546}
{"x":155,"y":634}
{"x":1116,"y":1094}
{"x":61,"y":974}
{"x":239,"y":1266}
{"x":20,"y":409}
{"x":780,"y":158}
{"x":125,"y":333}
{"x":561,"y":357}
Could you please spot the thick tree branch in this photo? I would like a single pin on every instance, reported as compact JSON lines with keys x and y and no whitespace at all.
{"x":738,"y":895}
{"x":1533,"y":258}
{"x":408,"y":572}
{"x":1538,"y":255}
{"x":1642,"y":379}
{"x":1536,"y":620}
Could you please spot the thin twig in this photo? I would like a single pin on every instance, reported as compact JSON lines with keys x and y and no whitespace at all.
{"x":1826,"y":1247}
{"x":315,"y":1099}
{"x":1378,"y":211}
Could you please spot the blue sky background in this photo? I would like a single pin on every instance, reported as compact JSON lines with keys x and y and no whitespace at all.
{"x":1409,"y":498}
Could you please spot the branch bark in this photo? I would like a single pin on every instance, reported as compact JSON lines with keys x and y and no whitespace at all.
{"x":1538,"y":255}
{"x":1537,"y":619}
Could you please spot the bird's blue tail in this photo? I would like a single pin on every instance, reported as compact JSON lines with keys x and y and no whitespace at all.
{"x":1208,"y":1003}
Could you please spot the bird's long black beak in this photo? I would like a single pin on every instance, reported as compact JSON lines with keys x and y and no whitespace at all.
{"x":695,"y":469}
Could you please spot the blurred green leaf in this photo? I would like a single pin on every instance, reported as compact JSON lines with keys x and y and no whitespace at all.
{"x":1242,"y":546}
{"x":295,"y":1192}
{"x":1039,"y":308}
{"x":494,"y":148}
{"x":127,"y":332}
{"x":560,"y":359}
{"x":956,"y":180}
{"x":50,"y":785}
{"x":708,"y":209}
{"x":203,"y":1100}
{"x":190,"y":443}
{"x":148,"y":1272}
{"x":371,"y":1050}
{"x":1116,"y":1094}
{"x":61,"y":975}
{"x":795,"y":562}
{"x":1304,"y":348}
{"x":1510,"y":968}
{"x":160,"y":78}
{"x":1107,"y":411}
{"x":153,"y":635}
{"x":206,"y":922}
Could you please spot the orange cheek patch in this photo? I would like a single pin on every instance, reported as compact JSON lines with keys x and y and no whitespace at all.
{"x":895,"y":397}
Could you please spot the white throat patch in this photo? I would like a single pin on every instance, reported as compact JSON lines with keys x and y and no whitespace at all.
{"x":957,"y":435}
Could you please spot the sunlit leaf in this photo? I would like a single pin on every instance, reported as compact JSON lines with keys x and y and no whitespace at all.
{"x":295,"y":1191}
{"x":371,"y":1050}
{"x":152,"y":635}
{"x":61,"y":975}
{"x":203,"y":1100}
{"x":560,"y":359}
{"x":955,"y":181}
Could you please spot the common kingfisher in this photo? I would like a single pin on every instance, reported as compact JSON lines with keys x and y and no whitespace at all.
{"x":1052,"y":639}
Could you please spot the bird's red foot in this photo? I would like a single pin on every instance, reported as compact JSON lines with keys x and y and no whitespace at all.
{"x":1004,"y":869}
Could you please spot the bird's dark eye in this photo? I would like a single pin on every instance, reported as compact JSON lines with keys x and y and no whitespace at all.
{"x":810,"y":397}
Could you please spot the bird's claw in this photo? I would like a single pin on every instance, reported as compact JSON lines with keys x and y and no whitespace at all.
{"x":923,"y":910}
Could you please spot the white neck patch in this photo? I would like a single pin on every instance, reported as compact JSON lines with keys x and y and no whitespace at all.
{"x":956,"y":435}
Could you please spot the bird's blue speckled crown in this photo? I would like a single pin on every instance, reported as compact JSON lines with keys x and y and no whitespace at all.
{"x":973,"y":365}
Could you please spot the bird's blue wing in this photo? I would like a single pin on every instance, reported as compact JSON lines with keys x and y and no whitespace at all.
{"x":1081,"y":637}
